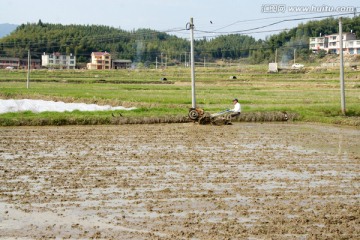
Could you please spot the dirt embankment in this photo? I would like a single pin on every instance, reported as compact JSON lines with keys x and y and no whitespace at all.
{"x":180,"y":181}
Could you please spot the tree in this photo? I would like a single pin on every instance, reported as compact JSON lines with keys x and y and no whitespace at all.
{"x":40,"y":23}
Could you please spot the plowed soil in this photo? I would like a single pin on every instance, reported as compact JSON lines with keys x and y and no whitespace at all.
{"x":180,"y":181}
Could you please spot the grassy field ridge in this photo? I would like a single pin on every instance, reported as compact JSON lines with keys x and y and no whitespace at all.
{"x":164,"y":95}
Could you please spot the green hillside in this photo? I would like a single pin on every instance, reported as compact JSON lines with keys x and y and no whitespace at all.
{"x":146,"y":45}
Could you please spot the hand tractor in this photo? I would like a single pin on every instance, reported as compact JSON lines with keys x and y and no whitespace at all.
{"x":202,"y":117}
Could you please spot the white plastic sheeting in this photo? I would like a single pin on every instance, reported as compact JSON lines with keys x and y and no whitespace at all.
{"x":37,"y":106}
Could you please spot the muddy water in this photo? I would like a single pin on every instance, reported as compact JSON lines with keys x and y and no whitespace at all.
{"x":180,"y":181}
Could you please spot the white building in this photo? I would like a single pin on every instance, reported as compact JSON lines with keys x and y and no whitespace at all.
{"x":352,"y":46}
{"x":331,"y":43}
{"x":318,"y":43}
{"x":57,"y":60}
{"x":334,"y":42}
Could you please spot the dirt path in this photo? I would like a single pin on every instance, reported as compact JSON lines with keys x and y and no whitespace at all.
{"x":180,"y":181}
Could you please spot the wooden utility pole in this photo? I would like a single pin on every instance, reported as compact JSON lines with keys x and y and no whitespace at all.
{"x":185,"y":59}
{"x":28,"y":73}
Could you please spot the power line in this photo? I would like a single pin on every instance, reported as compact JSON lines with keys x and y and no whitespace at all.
{"x":146,"y":36}
{"x":139,"y":34}
{"x":271,"y":24}
{"x":267,"y":18}
{"x":255,"y":32}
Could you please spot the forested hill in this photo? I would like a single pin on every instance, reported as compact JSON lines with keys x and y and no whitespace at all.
{"x":81,"y":40}
{"x":145,"y":45}
{"x":142,"y":45}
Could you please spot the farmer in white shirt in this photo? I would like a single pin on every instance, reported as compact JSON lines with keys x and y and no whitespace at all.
{"x":236,"y":111}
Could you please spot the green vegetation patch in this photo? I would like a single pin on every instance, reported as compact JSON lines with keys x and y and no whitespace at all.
{"x":310,"y":97}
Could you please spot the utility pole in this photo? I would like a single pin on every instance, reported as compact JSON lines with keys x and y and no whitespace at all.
{"x":161,"y":60}
{"x":294,"y":55}
{"x":192,"y":63}
{"x":185,"y":59}
{"x":28,"y":73}
{"x":342,"y":83}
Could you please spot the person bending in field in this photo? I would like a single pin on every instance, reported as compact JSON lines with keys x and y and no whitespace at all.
{"x":236,"y":111}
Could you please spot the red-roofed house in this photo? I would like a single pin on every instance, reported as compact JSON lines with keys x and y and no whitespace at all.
{"x":100,"y":60}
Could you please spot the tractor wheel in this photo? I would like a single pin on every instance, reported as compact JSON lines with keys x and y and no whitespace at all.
{"x":193,"y":115}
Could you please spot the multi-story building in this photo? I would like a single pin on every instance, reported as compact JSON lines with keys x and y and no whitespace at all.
{"x":331,"y":43}
{"x":57,"y":60}
{"x":34,"y":63}
{"x":318,"y":43}
{"x":100,"y":60}
{"x":334,"y":42}
{"x":352,"y":46}
{"x":17,"y":63}
{"x":9,"y":62}
{"x":121,"y":64}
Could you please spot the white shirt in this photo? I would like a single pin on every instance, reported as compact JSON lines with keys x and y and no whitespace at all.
{"x":237,"y":107}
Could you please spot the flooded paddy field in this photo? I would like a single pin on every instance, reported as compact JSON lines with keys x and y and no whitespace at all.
{"x":180,"y":181}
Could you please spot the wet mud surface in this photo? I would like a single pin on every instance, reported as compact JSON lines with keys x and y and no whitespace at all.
{"x":180,"y":181}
